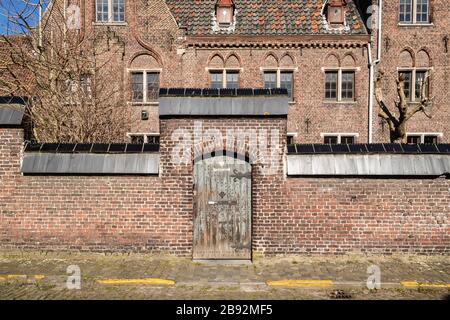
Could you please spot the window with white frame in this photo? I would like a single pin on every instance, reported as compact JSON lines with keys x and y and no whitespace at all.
{"x":279,"y":78}
{"x":291,"y":137}
{"x":340,"y":85}
{"x":423,"y":138}
{"x":224,"y":78}
{"x":339,"y":138}
{"x":144,"y":86}
{"x":141,"y":138}
{"x":110,"y":11}
{"x":413,"y":81}
{"x":414,"y":11}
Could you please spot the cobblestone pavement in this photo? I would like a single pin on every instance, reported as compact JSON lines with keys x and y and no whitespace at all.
{"x":40,"y":275}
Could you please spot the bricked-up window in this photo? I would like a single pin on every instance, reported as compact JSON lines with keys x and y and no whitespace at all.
{"x":339,"y":138}
{"x":110,"y":11}
{"x":226,"y":79}
{"x":425,"y":138}
{"x":149,"y":81}
{"x":414,"y":11}
{"x":413,"y":83}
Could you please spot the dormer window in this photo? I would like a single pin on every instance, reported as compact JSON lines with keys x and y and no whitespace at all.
{"x":225,"y":12}
{"x":336,"y":12}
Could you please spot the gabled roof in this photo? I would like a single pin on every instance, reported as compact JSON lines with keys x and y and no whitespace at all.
{"x":264,"y":17}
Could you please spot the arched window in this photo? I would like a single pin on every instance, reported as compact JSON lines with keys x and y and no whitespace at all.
{"x":224,"y":74}
{"x":414,"y":71}
{"x":144,"y":78}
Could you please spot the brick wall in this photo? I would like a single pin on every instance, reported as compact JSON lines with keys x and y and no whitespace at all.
{"x":155,"y":214}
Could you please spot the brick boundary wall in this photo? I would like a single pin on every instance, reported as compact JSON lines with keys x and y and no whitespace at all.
{"x":291,"y":215}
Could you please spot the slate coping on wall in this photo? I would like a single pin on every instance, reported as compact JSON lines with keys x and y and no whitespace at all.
{"x":235,"y":106}
{"x":11,"y":114}
{"x":90,"y":159}
{"x":369,"y":164}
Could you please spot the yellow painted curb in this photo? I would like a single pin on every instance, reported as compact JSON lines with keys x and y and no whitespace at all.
{"x":415,"y":284}
{"x":147,"y":281}
{"x":300,"y":283}
{"x":16,"y":276}
{"x":20,"y":276}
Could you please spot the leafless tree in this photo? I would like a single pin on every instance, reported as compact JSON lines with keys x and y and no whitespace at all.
{"x":404,"y":110}
{"x":75,"y":92}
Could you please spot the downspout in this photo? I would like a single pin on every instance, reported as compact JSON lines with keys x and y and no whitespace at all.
{"x":372,"y":65}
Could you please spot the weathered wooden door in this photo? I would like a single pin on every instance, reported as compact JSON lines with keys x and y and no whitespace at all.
{"x":222,"y":209}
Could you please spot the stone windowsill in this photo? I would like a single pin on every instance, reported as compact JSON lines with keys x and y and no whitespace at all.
{"x":350,"y":102}
{"x":110,"y":24}
{"x":143,"y":104}
{"x":414,"y":25}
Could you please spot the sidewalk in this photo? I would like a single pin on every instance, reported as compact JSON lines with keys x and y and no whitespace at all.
{"x":34,"y":275}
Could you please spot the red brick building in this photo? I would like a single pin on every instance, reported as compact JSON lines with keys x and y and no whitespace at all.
{"x":186,"y":197}
{"x":317,"y":49}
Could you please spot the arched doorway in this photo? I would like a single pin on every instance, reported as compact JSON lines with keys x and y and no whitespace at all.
{"x":222,"y":208}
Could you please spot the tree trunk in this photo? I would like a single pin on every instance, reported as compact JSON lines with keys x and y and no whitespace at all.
{"x":398,"y":135}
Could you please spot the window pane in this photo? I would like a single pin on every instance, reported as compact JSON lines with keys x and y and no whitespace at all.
{"x":331,"y":85}
{"x":348,"y":140}
{"x":413,"y":139}
{"x":137,"y":84}
{"x":152,"y":86}
{"x":407,"y":85}
{"x":137,"y":139}
{"x":287,"y":81}
{"x":153,"y":139}
{"x":348,"y":85}
{"x":118,"y":11}
{"x":422,"y":11}
{"x":270,"y":80}
{"x":216,"y":79}
{"x":420,"y":75}
{"x":430,"y":139}
{"x":405,"y":11}
{"x":232,"y":79}
{"x":102,"y":10}
{"x":290,"y":139}
{"x":330,"y":140}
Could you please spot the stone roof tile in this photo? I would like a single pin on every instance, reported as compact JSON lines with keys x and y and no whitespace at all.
{"x":264,"y":17}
